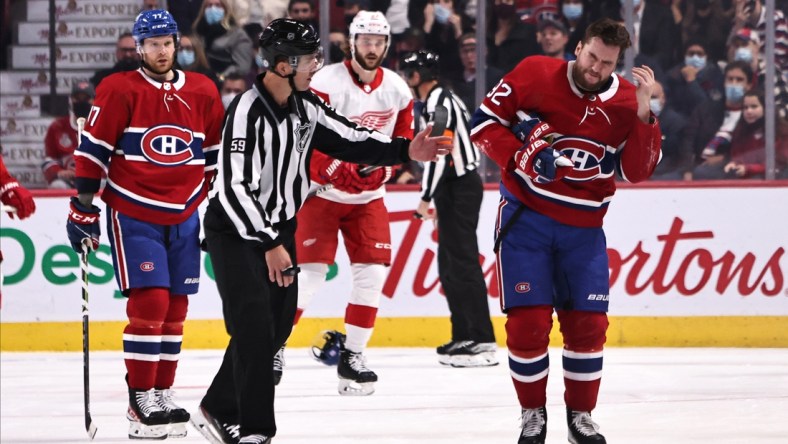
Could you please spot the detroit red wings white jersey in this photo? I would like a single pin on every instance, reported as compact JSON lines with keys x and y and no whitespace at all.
{"x":385,"y":105}
{"x":601,"y":134}
{"x":155,"y":142}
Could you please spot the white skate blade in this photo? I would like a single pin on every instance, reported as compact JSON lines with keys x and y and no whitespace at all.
{"x":444,"y":359}
{"x":349,"y":387}
{"x":199,"y":422}
{"x":138,"y":430}
{"x":487,"y":359}
{"x":177,"y":430}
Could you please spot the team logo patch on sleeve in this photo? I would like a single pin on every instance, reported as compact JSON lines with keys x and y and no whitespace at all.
{"x":167,"y":145}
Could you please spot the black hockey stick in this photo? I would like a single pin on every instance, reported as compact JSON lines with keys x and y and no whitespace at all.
{"x":439,"y":121}
{"x":89,"y":426}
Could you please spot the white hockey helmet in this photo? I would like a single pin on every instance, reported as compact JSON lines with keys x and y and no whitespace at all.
{"x":369,"y":22}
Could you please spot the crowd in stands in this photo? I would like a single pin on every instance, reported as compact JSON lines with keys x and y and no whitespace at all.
{"x":707,"y":55}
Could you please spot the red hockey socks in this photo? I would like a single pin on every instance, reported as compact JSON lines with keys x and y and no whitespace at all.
{"x":584,"y":338}
{"x":146,"y":310}
{"x":171,"y":339}
{"x":527,"y":337}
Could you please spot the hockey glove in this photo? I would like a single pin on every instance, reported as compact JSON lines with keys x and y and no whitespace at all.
{"x":17,"y":196}
{"x":82,"y":224}
{"x":541,"y":163}
{"x":374,"y":179}
{"x":342,"y":175}
{"x":532,"y":128}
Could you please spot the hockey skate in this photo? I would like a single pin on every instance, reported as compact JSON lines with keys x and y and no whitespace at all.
{"x":214,"y":430}
{"x":178,"y":416}
{"x":582,"y":429}
{"x":470,"y":354}
{"x":443,"y":351}
{"x":355,"y":379}
{"x":147,"y":420}
{"x":255,"y":439}
{"x":534,"y":426}
{"x":279,"y":364}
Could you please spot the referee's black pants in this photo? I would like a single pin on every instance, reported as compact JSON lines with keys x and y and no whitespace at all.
{"x":458,"y":201}
{"x":258,"y":316}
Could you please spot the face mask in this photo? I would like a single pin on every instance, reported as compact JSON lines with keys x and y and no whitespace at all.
{"x":127,"y":64}
{"x":734,"y":93}
{"x":655,"y":105}
{"x":504,"y":10}
{"x":185,"y":58}
{"x":743,"y":54}
{"x":213,"y":15}
{"x":696,"y":61}
{"x":227,"y":99}
{"x":572,"y":12}
{"x":442,"y":13}
{"x":81,"y":109}
{"x":635,"y":3}
{"x":335,"y":53}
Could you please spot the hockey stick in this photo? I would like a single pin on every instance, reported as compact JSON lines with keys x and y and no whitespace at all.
{"x":440,"y":120}
{"x":89,"y":426}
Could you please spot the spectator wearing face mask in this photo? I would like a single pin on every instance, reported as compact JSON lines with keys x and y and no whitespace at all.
{"x":510,"y":40}
{"x":227,"y":46}
{"x":126,"y":59}
{"x":694,"y":80}
{"x":61,"y":138}
{"x":191,"y":57}
{"x":233,"y":85}
{"x":671,"y":123}
{"x":443,"y":26}
{"x":744,"y":48}
{"x":575,"y":15}
{"x":746,"y":157}
{"x":705,"y":138}
{"x":706,"y":22}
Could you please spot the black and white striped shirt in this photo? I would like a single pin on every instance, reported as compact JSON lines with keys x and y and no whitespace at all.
{"x":263,"y":168}
{"x":464,"y":155}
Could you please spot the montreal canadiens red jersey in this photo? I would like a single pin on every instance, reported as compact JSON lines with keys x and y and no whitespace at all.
{"x":156,"y":142}
{"x":385,"y":105}
{"x":601,"y":133}
{"x":59,"y":145}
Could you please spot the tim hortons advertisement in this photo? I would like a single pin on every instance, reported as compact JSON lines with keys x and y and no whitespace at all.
{"x":66,"y":57}
{"x":37,"y":33}
{"x":95,"y":10}
{"x":37,"y":82}
{"x":673,"y":252}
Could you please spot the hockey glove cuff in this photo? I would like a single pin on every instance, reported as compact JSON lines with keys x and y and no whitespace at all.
{"x":83,"y":224}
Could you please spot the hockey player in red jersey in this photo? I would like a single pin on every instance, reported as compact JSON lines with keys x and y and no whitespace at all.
{"x":581,"y":123}
{"x":61,"y":139}
{"x":377,"y":98}
{"x":154,"y":132}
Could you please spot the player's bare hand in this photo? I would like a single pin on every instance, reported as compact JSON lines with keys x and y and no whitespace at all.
{"x":278,"y":261}
{"x":644,"y":78}
{"x":427,"y":149}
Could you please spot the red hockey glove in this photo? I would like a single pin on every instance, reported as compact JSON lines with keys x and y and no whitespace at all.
{"x":82,"y":224}
{"x":342,"y":175}
{"x":541,"y":163}
{"x":374,"y":179}
{"x":14,"y":195}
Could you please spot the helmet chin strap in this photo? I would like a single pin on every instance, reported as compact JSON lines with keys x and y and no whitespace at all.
{"x":289,"y":77}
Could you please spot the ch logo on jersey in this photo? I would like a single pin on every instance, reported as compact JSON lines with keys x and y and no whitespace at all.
{"x":301,"y":133}
{"x":591,"y":158}
{"x":376,"y":120}
{"x":167,"y":145}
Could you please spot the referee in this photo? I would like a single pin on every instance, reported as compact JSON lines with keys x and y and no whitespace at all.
{"x":263,"y":179}
{"x":454,"y":184}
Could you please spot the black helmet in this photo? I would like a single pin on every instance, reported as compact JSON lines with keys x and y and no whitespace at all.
{"x":287,"y":38}
{"x":423,"y":62}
